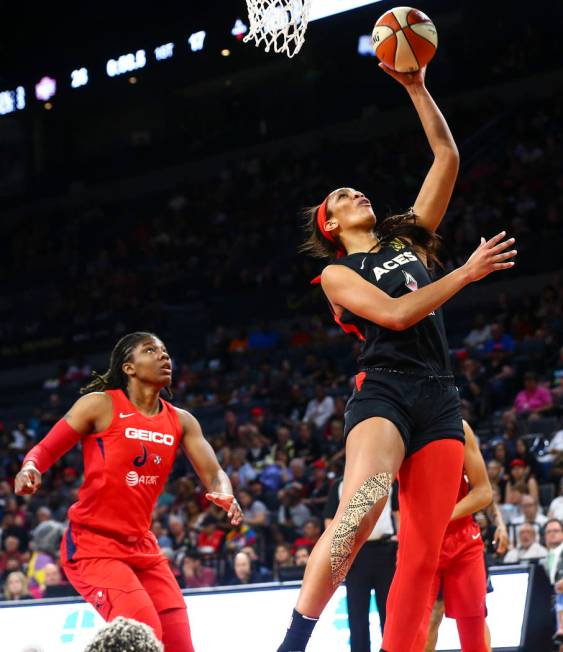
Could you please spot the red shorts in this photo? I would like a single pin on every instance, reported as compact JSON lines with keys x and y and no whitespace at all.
{"x":111,"y":574}
{"x":461,"y":573}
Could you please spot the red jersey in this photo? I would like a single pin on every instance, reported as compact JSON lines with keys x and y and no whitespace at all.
{"x":126,"y":468}
{"x":460,"y":523}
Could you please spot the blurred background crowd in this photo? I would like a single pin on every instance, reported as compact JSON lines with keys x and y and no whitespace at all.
{"x":185,"y":221}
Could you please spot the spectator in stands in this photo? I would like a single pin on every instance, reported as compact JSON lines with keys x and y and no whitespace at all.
{"x":334,"y":445}
{"x":311,"y":534}
{"x":194,"y":574}
{"x":528,"y":547}
{"x":125,"y":634}
{"x":521,"y":479}
{"x":164,"y":541}
{"x":238,"y":537}
{"x":243,"y":573}
{"x":292,"y":513}
{"x":177,"y":532}
{"x":11,"y":551}
{"x":260,"y":571}
{"x":301,"y":556}
{"x":319,"y":409}
{"x":318,"y":491}
{"x":479,"y":334}
{"x":556,"y":506}
{"x":210,"y":538}
{"x":497,"y":477}
{"x":523,"y":452}
{"x":241,"y":466}
{"x":553,"y":537}
{"x":531,"y":513}
{"x":54,"y":587}
{"x":500,"y":454}
{"x":283,"y":443}
{"x":498,"y":340}
{"x":534,"y":399}
{"x":471,"y":384}
{"x":255,"y":512}
{"x":306,"y":446}
{"x":282,"y":559}
{"x":16,"y":587}
{"x":511,"y":432}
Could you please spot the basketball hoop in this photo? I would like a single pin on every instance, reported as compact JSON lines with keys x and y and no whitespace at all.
{"x":278,"y":24}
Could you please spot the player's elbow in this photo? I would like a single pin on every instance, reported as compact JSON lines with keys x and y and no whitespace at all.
{"x":390,"y":318}
{"x":486,"y":495}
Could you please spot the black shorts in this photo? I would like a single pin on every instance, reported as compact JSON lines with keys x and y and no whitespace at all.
{"x":424,"y":408}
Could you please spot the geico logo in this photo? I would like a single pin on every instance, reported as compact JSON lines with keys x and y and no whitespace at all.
{"x":147,"y":435}
{"x":401,"y":259}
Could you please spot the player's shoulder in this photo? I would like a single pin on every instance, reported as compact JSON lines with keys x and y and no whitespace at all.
{"x":187,"y":419}
{"x":94,"y":400}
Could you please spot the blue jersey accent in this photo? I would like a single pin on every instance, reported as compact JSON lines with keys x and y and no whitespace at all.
{"x":101,"y":446}
{"x":70,"y":547}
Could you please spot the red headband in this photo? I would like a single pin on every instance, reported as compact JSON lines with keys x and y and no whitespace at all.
{"x":328,"y":235}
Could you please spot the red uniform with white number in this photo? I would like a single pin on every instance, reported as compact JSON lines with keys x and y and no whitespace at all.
{"x":108,"y":552}
{"x":461,"y":569}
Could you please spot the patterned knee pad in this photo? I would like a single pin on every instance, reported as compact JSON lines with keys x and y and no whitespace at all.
{"x":370,"y":492}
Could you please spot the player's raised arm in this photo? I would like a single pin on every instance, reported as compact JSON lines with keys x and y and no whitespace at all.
{"x":436,"y":191}
{"x":481,"y":494}
{"x":89,"y":414}
{"x":347,"y":289}
{"x":203,"y":458}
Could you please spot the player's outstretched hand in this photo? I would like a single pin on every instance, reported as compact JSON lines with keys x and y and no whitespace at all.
{"x":229,"y":503}
{"x":406,"y":78}
{"x":490,"y":256}
{"x":28,"y":481}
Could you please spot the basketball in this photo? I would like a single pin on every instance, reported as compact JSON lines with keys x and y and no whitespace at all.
{"x":404,"y":39}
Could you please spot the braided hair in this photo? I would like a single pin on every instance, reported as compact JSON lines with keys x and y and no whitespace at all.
{"x":402,"y":226}
{"x":125,"y":635}
{"x":115,"y":377}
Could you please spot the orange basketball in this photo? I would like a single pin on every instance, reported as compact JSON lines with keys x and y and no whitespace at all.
{"x":405,"y":39}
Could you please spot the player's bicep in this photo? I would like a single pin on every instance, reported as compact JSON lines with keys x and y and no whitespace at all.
{"x":197,"y":448}
{"x":436,"y":191}
{"x":88,"y":411}
{"x":347,"y":289}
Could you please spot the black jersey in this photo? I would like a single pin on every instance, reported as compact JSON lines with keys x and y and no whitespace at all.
{"x":422,"y":348}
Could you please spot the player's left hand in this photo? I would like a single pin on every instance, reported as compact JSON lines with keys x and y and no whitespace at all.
{"x":406,"y":78}
{"x":229,"y":503}
{"x":500,"y":540}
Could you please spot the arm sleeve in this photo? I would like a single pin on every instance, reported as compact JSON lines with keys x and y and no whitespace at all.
{"x":58,"y":441}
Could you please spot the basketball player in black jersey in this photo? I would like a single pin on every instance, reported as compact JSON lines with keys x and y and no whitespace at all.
{"x":404,"y":412}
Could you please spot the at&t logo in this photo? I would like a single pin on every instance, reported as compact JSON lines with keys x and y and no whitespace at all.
{"x":133,"y":479}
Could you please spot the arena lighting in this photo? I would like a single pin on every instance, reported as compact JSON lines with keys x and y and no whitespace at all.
{"x":11,"y":101}
{"x":126,"y":63}
{"x":79,"y":77}
{"x":45,"y":89}
{"x":197,"y":40}
{"x":324,"y":8}
{"x":225,"y":53}
{"x":163,"y":52}
{"x":365,"y":46}
{"x":239,"y":29}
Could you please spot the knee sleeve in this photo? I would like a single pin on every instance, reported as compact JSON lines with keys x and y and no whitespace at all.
{"x":176,"y":634}
{"x":370,"y":492}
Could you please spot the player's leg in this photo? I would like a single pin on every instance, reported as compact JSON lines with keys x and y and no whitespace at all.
{"x":436,"y":617}
{"x":382,"y":575}
{"x":374,"y":452}
{"x":113,"y":589}
{"x":428,"y":486}
{"x":358,"y":593}
{"x":465,"y":590}
{"x":161,"y":585}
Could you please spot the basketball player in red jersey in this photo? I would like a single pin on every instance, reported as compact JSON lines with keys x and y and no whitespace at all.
{"x":461,"y":570}
{"x":130,"y":437}
{"x":404,"y":412}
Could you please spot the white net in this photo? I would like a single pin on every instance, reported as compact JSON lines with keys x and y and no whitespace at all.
{"x":278,"y":24}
